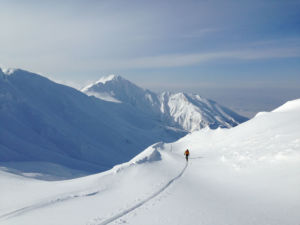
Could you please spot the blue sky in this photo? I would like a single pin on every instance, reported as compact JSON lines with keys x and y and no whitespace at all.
{"x":201,"y":46}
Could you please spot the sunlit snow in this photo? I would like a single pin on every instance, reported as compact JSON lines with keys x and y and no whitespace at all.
{"x":245,"y":175}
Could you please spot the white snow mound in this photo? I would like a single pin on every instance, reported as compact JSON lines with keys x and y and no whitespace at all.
{"x":151,"y":154}
{"x":289,"y":106}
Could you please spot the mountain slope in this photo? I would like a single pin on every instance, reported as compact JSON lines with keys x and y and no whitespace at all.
{"x":46,"y":122}
{"x":193,"y":112}
{"x":185,"y":111}
{"x":241,"y":176}
{"x":121,"y":90}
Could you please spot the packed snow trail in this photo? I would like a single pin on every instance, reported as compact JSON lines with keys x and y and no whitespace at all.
{"x":47,"y":203}
{"x":126,"y":211}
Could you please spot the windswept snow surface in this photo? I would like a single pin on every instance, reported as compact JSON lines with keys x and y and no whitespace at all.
{"x":241,"y":176}
{"x":185,"y":111}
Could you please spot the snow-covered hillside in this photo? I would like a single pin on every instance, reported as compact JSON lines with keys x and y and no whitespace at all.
{"x":241,"y":176}
{"x":193,"y":112}
{"x":118,"y":89}
{"x":50,"y":127}
{"x":186,"y":111}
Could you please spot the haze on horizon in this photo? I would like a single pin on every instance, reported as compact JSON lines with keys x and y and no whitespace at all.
{"x":243,"y":54}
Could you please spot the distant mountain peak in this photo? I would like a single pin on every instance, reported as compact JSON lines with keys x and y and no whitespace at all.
{"x":111,"y":77}
{"x":183,"y":110}
{"x":8,"y":71}
{"x":105,"y":80}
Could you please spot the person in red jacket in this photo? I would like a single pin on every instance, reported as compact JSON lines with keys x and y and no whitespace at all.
{"x":187,"y":153}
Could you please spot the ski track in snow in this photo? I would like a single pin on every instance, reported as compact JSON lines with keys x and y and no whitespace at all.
{"x":43,"y":204}
{"x":46,"y":203}
{"x":126,"y":211}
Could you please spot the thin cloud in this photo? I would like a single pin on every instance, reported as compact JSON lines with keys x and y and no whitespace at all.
{"x":180,"y":60}
{"x":161,"y":61}
{"x":200,"y":33}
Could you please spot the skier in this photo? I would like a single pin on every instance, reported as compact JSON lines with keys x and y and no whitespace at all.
{"x":187,"y":153}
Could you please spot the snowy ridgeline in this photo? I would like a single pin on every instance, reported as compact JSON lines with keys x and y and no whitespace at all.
{"x":51,"y":128}
{"x":241,"y":176}
{"x":48,"y":128}
{"x":186,"y":111}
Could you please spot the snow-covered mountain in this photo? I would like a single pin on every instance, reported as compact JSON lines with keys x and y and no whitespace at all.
{"x":193,"y":112}
{"x":241,"y":176}
{"x":186,"y":111}
{"x":47,"y":125}
{"x":116,"y":88}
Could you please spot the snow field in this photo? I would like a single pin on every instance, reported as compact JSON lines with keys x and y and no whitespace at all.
{"x":95,"y":197}
{"x":241,"y":176}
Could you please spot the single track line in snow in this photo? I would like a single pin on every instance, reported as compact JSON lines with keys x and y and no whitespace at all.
{"x":43,"y":204}
{"x":47,"y":203}
{"x":126,"y":211}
